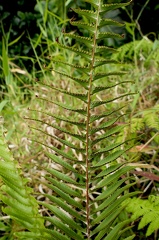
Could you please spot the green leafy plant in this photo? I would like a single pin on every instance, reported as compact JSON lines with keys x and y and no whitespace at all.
{"x":147,"y":123}
{"x":87,"y":180}
{"x":136,"y":49}
{"x":20,"y":205}
{"x":89,"y":188}
{"x":144,"y":52}
{"x":147,"y":210}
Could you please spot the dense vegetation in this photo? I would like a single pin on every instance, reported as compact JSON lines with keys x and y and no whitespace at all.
{"x":27,"y":63}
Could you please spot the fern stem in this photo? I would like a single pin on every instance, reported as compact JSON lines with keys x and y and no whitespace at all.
{"x":88,"y":124}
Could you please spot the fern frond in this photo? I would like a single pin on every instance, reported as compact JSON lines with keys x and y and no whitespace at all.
{"x":117,"y":229}
{"x":65,"y":189}
{"x":88,"y":189}
{"x":104,"y":224}
{"x":151,"y":119}
{"x":20,"y":205}
{"x":147,"y":210}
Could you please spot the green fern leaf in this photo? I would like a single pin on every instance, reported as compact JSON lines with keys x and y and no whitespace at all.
{"x":101,"y":88}
{"x":85,"y":40}
{"x":106,"y":21}
{"x":98,"y":103}
{"x":116,"y":202}
{"x":113,"y":177}
{"x":106,"y":149}
{"x":89,"y":27}
{"x":100,"y":49}
{"x":60,"y":152}
{"x":103,"y":35}
{"x":21,"y":206}
{"x":84,"y":68}
{"x":151,"y":119}
{"x":56,"y":235}
{"x":130,"y":238}
{"x":87,"y":186}
{"x":102,"y":75}
{"x":64,"y":228}
{"x":110,"y":190}
{"x":105,"y":114}
{"x":148,"y":210}
{"x":83,"y":53}
{"x":117,"y":228}
{"x":108,"y":7}
{"x":93,"y":2}
{"x":81,"y":137}
{"x":101,"y":62}
{"x":111,"y":157}
{"x":81,"y":124}
{"x":107,"y":134}
{"x":105,"y":125}
{"x":64,"y":106}
{"x":65,"y":207}
{"x":64,"y":142}
{"x":65,"y":197}
{"x":105,"y":223}
{"x":109,"y":170}
{"x":87,"y":13}
{"x":60,"y":161}
{"x":82,"y":82}
{"x":63,"y":176}
{"x":64,"y":187}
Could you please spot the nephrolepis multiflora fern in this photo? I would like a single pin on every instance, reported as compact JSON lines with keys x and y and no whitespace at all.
{"x":91,"y":182}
